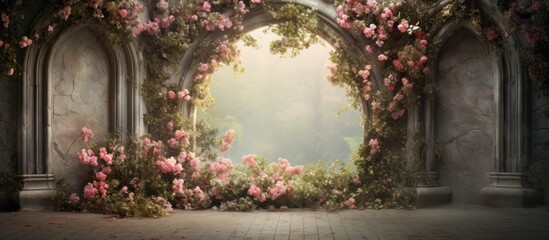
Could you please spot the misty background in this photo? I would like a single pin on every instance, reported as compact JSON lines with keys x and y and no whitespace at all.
{"x":283,"y":107}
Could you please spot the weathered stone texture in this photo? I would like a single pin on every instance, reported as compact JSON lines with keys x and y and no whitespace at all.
{"x":80,"y":98}
{"x":8,"y":124}
{"x":539,"y":125}
{"x":465,"y":117}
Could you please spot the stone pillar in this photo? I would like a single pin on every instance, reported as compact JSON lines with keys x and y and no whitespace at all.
{"x":428,"y":190}
{"x":38,"y":184}
{"x":508,"y":183}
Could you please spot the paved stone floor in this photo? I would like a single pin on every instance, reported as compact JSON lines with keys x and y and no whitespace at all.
{"x":445,"y":222}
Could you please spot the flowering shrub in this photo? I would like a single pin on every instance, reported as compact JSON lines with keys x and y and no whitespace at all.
{"x":148,"y":178}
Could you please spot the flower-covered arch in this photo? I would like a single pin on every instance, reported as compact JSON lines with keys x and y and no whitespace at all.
{"x":385,"y":53}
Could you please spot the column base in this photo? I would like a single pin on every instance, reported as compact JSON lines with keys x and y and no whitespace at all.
{"x":510,"y":190}
{"x":429,"y":192}
{"x":38,"y":191}
{"x":431,"y":196}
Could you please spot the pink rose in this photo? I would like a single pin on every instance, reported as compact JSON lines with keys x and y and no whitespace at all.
{"x":123,"y":13}
{"x":256,"y":1}
{"x":171,"y":95}
{"x":101,"y":176}
{"x":74,"y":199}
{"x":124,"y":189}
{"x":403,"y":26}
{"x":381,"y":57}
{"x":207,"y":6}
{"x":169,"y":125}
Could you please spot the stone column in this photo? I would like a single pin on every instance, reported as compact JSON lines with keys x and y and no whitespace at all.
{"x":38,"y":185}
{"x":508,"y":183}
{"x":428,"y":190}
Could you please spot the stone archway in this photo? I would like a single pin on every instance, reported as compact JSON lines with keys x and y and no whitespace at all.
{"x":502,"y":179}
{"x":57,"y":101}
{"x":258,"y":18}
{"x":464,"y":113}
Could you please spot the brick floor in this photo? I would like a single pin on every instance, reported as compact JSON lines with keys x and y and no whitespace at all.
{"x":445,"y":222}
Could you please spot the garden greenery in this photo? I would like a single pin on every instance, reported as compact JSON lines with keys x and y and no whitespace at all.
{"x":180,"y":164}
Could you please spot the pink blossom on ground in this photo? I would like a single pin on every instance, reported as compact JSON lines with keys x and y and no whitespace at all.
{"x":256,"y":1}
{"x":169,"y":125}
{"x":124,"y":189}
{"x":74,"y":199}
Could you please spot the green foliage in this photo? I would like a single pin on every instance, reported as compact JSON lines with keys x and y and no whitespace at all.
{"x":298,"y":28}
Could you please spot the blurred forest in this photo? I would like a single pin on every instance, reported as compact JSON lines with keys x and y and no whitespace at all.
{"x":283,"y":107}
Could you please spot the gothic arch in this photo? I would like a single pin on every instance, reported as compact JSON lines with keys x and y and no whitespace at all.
{"x":507,"y":185}
{"x":259,"y":18}
{"x":124,"y":111}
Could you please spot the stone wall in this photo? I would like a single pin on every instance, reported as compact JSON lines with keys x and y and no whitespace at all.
{"x":539,"y":125}
{"x":8,"y":125}
{"x":80,"y":77}
{"x":465,"y":117}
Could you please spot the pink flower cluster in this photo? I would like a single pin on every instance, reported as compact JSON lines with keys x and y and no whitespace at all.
{"x":87,"y":157}
{"x":5,"y":20}
{"x":349,"y":203}
{"x":215,"y":21}
{"x":193,"y":160}
{"x":74,"y":199}
{"x":178,"y":186}
{"x":384,"y":13}
{"x":169,"y":165}
{"x":367,"y":84}
{"x":374,"y":147}
{"x":254,"y":191}
{"x":25,"y":42}
{"x":249,"y":160}
{"x":278,"y":190}
{"x":288,"y":169}
{"x":183,"y":94}
{"x":105,"y":156}
{"x":222,"y":168}
{"x":86,"y":133}
{"x":228,"y":139}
